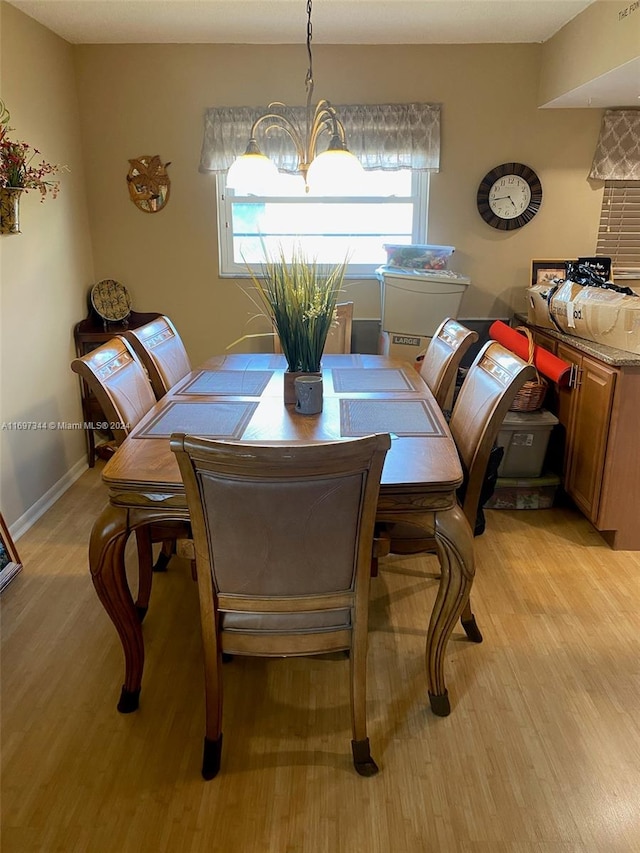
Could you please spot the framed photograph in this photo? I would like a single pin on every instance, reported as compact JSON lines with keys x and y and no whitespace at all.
{"x":545,"y":271}
{"x":10,"y":563}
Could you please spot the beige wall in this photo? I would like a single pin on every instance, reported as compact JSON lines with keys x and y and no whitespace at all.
{"x":604,"y":37}
{"x":45,"y":271}
{"x":150,"y":99}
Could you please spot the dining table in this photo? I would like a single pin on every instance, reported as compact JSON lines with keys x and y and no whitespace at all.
{"x":239,"y":397}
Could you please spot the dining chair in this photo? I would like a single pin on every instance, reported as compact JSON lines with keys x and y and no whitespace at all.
{"x":446,"y":350}
{"x":339,"y":336}
{"x":160,"y":349}
{"x":487,"y":392}
{"x":283,"y":538}
{"x":120,"y":383}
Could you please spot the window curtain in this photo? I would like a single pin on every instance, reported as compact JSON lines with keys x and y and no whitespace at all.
{"x":382,"y":136}
{"x":617,"y":155}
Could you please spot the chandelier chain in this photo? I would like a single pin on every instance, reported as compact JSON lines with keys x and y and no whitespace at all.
{"x":309,"y":78}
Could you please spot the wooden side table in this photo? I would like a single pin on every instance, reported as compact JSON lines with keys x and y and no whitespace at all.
{"x":89,"y":334}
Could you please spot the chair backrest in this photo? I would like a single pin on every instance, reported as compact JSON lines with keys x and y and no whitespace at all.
{"x":160,"y":349}
{"x":120,"y":383}
{"x":283,"y":538}
{"x":443,"y":356}
{"x":339,"y":337}
{"x":487,"y":392}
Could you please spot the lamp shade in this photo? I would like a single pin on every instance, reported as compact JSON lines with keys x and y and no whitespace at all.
{"x":253,"y":174}
{"x":335,"y":172}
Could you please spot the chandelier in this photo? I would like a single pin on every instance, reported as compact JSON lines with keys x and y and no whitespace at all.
{"x":326,"y":173}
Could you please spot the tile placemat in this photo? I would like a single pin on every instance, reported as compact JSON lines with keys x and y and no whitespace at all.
{"x":223,"y":419}
{"x":400,"y":417}
{"x":374,"y":379}
{"x":239,"y":383}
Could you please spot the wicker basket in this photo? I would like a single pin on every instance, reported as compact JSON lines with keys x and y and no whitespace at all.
{"x":531,"y":396}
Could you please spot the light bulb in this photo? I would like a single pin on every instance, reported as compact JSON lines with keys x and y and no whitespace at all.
{"x":335,"y":172}
{"x":252,"y":174}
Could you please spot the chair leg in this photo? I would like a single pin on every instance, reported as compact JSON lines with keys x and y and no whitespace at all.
{"x":213,"y":708}
{"x":211,"y":757}
{"x":166,"y":552}
{"x":362,"y":760}
{"x":468,"y":622}
{"x":145,"y":563}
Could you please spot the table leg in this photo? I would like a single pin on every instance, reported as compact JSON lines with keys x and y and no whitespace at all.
{"x":106,"y":562}
{"x":454,"y":541}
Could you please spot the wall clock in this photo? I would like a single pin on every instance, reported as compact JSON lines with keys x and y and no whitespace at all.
{"x":509,"y":196}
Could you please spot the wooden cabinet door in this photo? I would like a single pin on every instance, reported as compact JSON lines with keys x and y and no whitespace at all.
{"x":588,"y":430}
{"x":544,"y":340}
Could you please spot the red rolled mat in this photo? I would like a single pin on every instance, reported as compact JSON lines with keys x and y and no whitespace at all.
{"x":548,"y":364}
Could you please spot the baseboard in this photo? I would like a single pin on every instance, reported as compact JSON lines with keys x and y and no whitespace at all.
{"x":44,"y":503}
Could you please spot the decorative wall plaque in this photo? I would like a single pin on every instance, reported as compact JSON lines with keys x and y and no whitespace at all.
{"x":149,"y":183}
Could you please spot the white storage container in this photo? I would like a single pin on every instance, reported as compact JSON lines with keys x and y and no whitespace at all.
{"x":415,"y":303}
{"x":524,"y":436}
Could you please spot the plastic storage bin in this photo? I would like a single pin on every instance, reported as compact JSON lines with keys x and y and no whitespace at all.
{"x":416,"y":256}
{"x":524,"y":493}
{"x":524,"y":436}
{"x":415,"y":303}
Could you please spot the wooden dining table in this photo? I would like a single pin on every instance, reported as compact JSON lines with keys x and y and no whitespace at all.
{"x":239,"y":397}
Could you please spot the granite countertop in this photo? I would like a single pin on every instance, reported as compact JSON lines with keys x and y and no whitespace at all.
{"x":609,"y":355}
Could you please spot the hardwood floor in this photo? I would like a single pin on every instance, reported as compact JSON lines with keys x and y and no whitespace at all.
{"x":540,"y":753}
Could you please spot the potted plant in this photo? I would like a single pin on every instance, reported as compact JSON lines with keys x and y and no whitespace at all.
{"x":20,"y":172}
{"x":299,"y":296}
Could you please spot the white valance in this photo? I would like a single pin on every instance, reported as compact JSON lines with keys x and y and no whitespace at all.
{"x":617,"y":156}
{"x":382,"y":136}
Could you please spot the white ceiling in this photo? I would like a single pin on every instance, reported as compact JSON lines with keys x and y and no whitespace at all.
{"x":334,"y":22}
{"x":284,"y":21}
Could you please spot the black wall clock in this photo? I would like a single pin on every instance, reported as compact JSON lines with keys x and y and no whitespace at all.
{"x":509,"y":196}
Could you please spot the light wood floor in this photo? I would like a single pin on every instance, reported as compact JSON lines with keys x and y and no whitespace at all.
{"x":541,"y":751}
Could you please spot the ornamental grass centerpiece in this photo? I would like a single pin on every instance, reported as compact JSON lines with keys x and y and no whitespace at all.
{"x":299,"y":296}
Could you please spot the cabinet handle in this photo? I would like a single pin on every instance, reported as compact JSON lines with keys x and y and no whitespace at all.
{"x":578,"y":379}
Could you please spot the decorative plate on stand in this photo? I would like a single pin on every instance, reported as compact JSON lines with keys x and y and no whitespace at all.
{"x":111,"y":300}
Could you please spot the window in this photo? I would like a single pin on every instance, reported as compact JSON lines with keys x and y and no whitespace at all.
{"x":619,"y":231}
{"x":391,"y":207}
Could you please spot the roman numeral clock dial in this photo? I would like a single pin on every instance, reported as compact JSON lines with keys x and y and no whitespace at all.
{"x":509,"y":196}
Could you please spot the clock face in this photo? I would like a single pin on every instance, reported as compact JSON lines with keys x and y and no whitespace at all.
{"x":509,"y":196}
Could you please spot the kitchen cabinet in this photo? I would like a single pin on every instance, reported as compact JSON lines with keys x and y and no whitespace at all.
{"x":600,"y":412}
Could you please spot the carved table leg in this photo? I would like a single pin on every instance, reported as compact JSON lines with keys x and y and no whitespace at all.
{"x":454,"y":540}
{"x":106,"y":562}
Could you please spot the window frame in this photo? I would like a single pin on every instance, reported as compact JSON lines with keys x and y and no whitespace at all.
{"x":228,"y":268}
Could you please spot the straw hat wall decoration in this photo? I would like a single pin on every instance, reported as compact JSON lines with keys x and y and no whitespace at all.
{"x":149,"y":183}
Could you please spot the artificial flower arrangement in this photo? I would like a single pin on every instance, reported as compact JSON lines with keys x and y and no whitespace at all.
{"x":20,"y":166}
{"x":299,"y":296}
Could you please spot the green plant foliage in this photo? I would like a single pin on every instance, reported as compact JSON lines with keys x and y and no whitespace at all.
{"x":299,"y":296}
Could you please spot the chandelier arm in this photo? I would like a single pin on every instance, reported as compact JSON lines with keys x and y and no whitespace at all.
{"x":280,"y":122}
{"x":326,"y":120}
